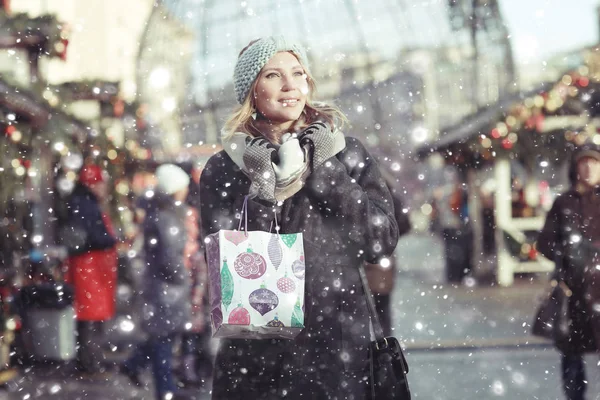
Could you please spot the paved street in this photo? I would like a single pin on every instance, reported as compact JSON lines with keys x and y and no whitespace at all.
{"x":463,"y":342}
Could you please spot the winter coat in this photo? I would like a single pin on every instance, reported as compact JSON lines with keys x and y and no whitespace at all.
{"x":571,"y":238}
{"x":381,"y":279}
{"x":92,"y":264}
{"x":166,"y":283}
{"x":346,"y":215}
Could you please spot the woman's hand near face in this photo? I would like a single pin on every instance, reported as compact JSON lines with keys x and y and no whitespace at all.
{"x":259,"y":157}
{"x":292,"y":160}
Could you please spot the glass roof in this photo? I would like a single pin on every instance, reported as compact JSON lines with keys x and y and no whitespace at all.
{"x":394,"y":66}
{"x":328,"y":28}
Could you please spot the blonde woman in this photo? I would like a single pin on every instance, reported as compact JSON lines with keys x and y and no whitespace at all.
{"x":290,"y":155}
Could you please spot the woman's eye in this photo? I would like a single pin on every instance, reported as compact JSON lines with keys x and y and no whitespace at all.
{"x":298,"y":73}
{"x":272,"y":75}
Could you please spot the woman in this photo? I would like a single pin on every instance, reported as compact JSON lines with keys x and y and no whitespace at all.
{"x":289,"y":154}
{"x":92,"y":265}
{"x":166,"y":284}
{"x":571,"y":237}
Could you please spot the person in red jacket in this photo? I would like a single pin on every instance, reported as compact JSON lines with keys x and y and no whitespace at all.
{"x":92,"y":265}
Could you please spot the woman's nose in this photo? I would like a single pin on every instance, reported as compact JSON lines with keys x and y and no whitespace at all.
{"x":288,"y":83}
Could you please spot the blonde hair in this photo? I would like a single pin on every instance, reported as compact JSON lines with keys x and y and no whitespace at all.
{"x":241,"y":119}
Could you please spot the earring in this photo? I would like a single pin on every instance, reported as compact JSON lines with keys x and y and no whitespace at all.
{"x":254,"y":115}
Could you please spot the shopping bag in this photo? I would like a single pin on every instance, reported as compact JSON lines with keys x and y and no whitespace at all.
{"x":256,"y":283}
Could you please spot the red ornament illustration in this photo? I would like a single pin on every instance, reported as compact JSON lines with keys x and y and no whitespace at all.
{"x":250,"y":265}
{"x":239,"y":316}
{"x":286,"y":285}
{"x":235,"y":237}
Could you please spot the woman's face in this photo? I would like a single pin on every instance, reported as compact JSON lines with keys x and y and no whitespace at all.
{"x":588,"y":170}
{"x":281,"y":90}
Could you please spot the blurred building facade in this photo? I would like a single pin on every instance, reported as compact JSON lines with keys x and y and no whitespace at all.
{"x":103,"y":43}
{"x":163,"y":71}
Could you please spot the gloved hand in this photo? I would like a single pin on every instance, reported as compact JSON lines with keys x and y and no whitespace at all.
{"x":292,"y":161}
{"x":259,"y":156}
{"x":320,"y":142}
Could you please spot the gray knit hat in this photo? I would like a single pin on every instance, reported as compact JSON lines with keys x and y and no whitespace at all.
{"x":255,"y":57}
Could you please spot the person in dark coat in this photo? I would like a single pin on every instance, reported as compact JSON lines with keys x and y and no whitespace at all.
{"x":290,"y":156}
{"x":166,"y":286}
{"x":571,"y":237}
{"x":92,"y":264}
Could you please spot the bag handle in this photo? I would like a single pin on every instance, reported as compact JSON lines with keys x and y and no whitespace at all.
{"x":244,"y":216}
{"x":374,"y":318}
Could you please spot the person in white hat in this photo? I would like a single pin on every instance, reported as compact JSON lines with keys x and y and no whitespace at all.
{"x":166,"y":283}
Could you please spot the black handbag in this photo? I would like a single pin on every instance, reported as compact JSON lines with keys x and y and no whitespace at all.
{"x":553,"y":319}
{"x":388,"y":367}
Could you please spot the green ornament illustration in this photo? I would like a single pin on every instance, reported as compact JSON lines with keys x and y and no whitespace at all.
{"x":289,"y":239}
{"x":297,"y":316}
{"x":226,"y":285}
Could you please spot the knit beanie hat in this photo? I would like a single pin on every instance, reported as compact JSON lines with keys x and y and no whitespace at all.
{"x":91,"y":174}
{"x":171,"y":178}
{"x":254,"y":58}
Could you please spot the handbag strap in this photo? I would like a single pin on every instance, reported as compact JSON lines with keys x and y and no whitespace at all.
{"x":377,"y":329}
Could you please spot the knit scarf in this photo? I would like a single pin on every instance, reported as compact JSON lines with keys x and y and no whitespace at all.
{"x":276,"y":189}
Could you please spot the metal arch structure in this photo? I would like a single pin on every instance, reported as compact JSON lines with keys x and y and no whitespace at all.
{"x":376,"y":34}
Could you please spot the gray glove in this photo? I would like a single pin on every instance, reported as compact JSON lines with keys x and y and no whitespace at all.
{"x":258,"y":158}
{"x":320,"y":142}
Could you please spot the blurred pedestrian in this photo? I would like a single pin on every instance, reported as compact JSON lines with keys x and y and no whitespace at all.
{"x":571,"y":237}
{"x":382,"y":276}
{"x":320,"y":183}
{"x":196,"y":360}
{"x":452,"y":218}
{"x":165,"y":288}
{"x":92,"y":264}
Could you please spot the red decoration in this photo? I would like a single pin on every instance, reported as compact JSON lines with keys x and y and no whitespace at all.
{"x":535,"y":122}
{"x":286,"y":285}
{"x":583,"y":81}
{"x":239,"y":316}
{"x":250,"y":265}
{"x":9,"y":130}
{"x":507,"y":144}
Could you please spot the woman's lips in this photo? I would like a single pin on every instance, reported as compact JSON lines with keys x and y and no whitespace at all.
{"x":289,"y":102}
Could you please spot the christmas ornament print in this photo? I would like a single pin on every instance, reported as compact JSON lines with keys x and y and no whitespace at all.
{"x":275,"y":323}
{"x":263,"y":300}
{"x":239,"y":316}
{"x":235,"y":237}
{"x":299,"y":268}
{"x":286,"y":285}
{"x":274,"y":251}
{"x":289,"y":239}
{"x":250,"y":265}
{"x":297,"y":316}
{"x":226,"y":285}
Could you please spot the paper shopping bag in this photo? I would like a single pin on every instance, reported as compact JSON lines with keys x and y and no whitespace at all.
{"x":256,"y":284}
